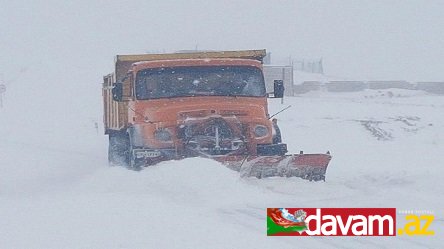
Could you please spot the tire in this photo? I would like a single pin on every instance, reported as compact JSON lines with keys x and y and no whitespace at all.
{"x":132,"y":162}
{"x":118,"y":149}
{"x":277,"y":138}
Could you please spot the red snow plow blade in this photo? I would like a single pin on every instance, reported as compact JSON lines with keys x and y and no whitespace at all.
{"x":307,"y":166}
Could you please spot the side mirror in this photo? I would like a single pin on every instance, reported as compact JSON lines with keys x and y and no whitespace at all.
{"x":117,"y":92}
{"x":279,"y":88}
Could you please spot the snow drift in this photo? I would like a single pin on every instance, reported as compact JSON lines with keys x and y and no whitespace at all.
{"x":57,"y":191}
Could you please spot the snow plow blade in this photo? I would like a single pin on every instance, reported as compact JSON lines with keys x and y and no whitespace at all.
{"x":311,"y":167}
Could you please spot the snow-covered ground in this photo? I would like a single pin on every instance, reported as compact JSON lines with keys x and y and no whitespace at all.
{"x":300,"y":76}
{"x":57,"y":191}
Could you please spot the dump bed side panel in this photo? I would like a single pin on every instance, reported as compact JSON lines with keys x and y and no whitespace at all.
{"x":115,"y":114}
{"x":124,"y":62}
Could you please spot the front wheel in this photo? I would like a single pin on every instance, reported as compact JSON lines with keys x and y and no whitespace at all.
{"x":277,"y":137}
{"x":133,"y":163}
{"x":118,"y":149}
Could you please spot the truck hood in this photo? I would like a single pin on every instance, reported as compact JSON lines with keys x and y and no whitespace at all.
{"x":175,"y":109}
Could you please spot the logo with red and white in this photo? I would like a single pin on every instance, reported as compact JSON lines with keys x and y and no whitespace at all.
{"x":281,"y":220}
{"x":331,"y":221}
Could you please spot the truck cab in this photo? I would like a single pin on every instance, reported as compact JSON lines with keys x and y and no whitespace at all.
{"x":209,"y":105}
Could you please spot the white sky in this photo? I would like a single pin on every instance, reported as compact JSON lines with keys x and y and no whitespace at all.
{"x":356,"y":38}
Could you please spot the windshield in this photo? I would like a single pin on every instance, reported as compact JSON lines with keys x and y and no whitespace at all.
{"x":200,"y":81}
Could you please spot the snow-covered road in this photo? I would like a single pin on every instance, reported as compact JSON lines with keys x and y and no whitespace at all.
{"x":56,"y":190}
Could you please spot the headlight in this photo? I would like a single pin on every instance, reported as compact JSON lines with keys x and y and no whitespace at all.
{"x":261,"y":131}
{"x":162,"y":135}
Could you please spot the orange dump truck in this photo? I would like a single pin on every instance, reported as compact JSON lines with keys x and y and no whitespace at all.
{"x":161,"y":107}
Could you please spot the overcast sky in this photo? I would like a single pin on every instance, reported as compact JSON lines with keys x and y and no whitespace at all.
{"x":357,"y":39}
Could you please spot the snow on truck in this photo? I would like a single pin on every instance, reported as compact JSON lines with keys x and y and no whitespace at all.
{"x":161,"y":107}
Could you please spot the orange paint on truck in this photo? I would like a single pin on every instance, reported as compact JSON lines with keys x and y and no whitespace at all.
{"x":211,"y":104}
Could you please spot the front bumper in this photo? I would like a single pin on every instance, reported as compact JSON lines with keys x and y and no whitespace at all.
{"x":143,"y":156}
